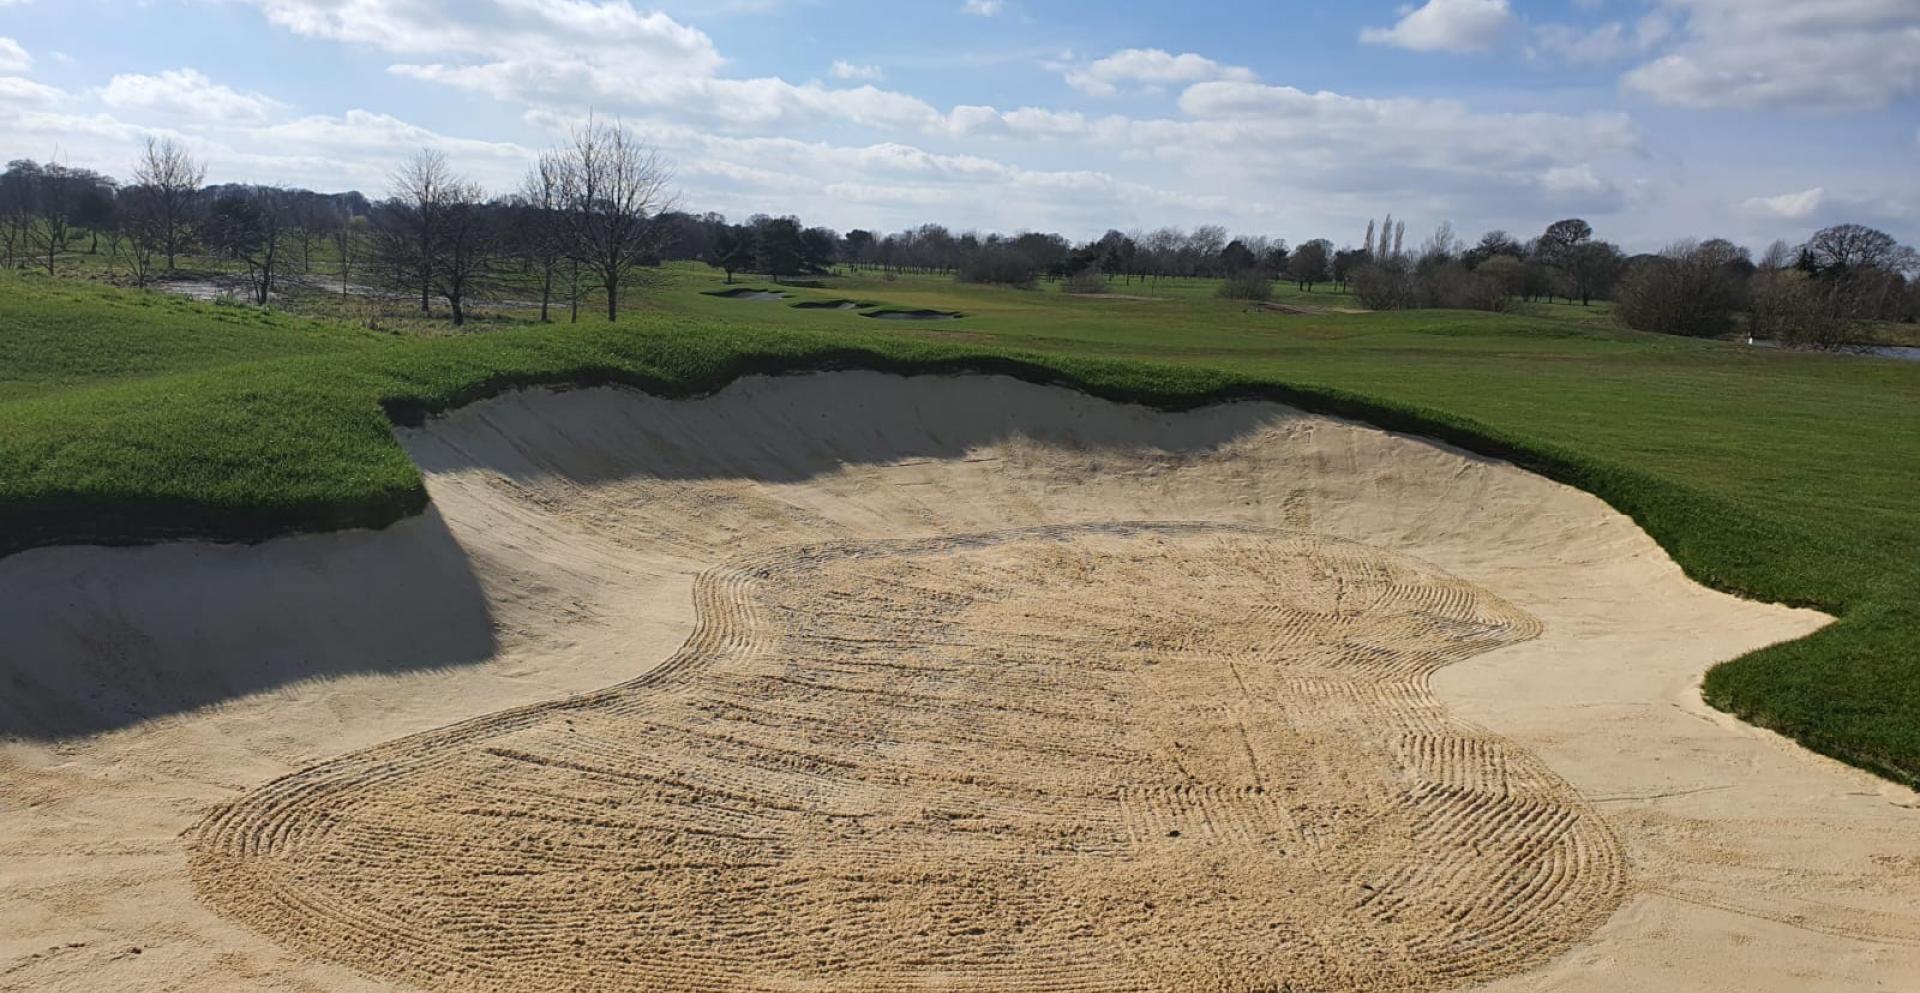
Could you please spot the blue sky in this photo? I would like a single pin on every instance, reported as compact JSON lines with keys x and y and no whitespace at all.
{"x":1655,"y":119}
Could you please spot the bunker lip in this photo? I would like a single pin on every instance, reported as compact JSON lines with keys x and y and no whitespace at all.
{"x":913,"y":315}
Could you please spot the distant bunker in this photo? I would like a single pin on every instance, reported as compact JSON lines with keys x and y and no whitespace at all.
{"x":913,"y":315}
{"x":748,"y":294}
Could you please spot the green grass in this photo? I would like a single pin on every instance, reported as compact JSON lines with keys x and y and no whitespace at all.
{"x":1786,"y":477}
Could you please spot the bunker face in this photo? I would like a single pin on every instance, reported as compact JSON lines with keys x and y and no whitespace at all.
{"x":827,"y":305}
{"x":1098,"y":757}
{"x":942,"y":683}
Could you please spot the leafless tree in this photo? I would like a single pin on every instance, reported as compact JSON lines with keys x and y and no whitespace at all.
{"x":612,"y":185}
{"x":252,"y":226}
{"x":349,"y":235}
{"x":541,"y":228}
{"x":172,"y":178}
{"x":418,"y":193}
{"x":1849,"y":247}
{"x":56,"y":194}
{"x":466,"y":245}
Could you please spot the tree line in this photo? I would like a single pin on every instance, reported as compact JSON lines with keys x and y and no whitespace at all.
{"x":594,"y":212}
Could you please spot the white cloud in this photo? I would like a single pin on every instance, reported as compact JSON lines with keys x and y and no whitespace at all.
{"x":842,"y":69}
{"x":1607,"y":42}
{"x":361,"y":131}
{"x":1788,"y":54}
{"x":1787,"y":206}
{"x":1149,"y":67}
{"x":506,"y":30}
{"x":187,"y":92}
{"x":13,"y":58}
{"x":17,"y":91}
{"x":983,"y":8}
{"x":1232,"y":150}
{"x":1446,"y":26}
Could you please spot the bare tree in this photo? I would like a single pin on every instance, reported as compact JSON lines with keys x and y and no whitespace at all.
{"x":612,"y":186}
{"x":466,"y":245}
{"x":173,"y":179}
{"x":251,"y":227}
{"x":540,"y":231}
{"x":56,"y":194}
{"x":1847,"y":247}
{"x":349,"y":234}
{"x":410,"y":235}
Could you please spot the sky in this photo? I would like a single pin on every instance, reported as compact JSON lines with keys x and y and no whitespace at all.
{"x":1653,"y":119}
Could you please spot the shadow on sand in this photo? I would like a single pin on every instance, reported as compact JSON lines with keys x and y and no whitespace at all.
{"x":97,"y":639}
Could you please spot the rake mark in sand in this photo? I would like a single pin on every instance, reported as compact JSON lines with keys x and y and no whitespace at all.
{"x":1097,"y":757}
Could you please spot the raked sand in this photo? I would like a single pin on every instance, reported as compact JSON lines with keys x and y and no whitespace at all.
{"x":852,"y":681}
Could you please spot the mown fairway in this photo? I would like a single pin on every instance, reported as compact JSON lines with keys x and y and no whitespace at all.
{"x":1787,"y":477}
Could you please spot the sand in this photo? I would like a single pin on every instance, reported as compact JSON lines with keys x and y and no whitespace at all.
{"x":857,"y":682}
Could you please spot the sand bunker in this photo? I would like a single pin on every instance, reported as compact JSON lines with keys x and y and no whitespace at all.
{"x":747,"y":294}
{"x":913,"y":315}
{"x":829,"y":305}
{"x":855,"y":682}
{"x":1099,"y":757}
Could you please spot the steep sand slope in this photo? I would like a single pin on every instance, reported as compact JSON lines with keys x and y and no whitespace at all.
{"x":1555,"y":678}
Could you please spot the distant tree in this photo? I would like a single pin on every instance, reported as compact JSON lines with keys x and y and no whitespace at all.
{"x":410,"y":224}
{"x":1847,"y":247}
{"x":97,"y":210}
{"x":1277,"y":256}
{"x":1593,"y":268}
{"x":614,"y":183}
{"x":56,"y":197}
{"x":819,"y":248}
{"x":1494,"y":244}
{"x":1441,"y":247}
{"x":1203,"y":248}
{"x":1508,"y":271}
{"x":467,"y":246}
{"x":782,"y":249}
{"x":540,"y":226}
{"x":1309,"y":263}
{"x":1346,"y":261}
{"x":249,"y":226}
{"x":349,"y":235}
{"x":17,"y":208}
{"x":172,"y":178}
{"x":735,"y":250}
{"x":859,"y":247}
{"x":1557,"y":249}
{"x":1237,"y":258}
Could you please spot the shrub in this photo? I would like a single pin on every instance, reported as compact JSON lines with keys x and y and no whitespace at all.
{"x":1385,"y":285}
{"x":1688,"y":290}
{"x":1085,"y":281}
{"x":1249,"y":285}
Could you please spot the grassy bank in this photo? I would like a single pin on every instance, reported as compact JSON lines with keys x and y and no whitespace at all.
{"x":1791,"y":478}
